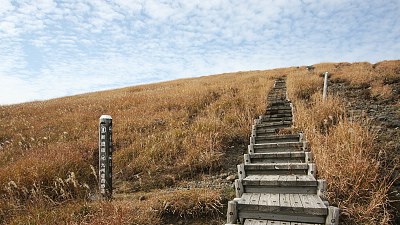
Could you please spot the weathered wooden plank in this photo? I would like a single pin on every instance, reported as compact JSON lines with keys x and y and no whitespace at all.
{"x":276,"y":166}
{"x":269,"y":202}
{"x":255,"y":199}
{"x":241,"y":171}
{"x":284,"y":202}
{"x":245,"y":199}
{"x":322,"y":189}
{"x":231,"y":217}
{"x":279,"y":115}
{"x":333,"y":216}
{"x":303,"y":218}
{"x":265,"y":124}
{"x":249,"y":201}
{"x":272,"y":119}
{"x":238,"y":188}
{"x":280,"y":189}
{"x":275,"y":150}
{"x":252,"y":180}
{"x":307,"y":180}
{"x":308,"y":157}
{"x":265,"y":140}
{"x":246,"y":158}
{"x":250,"y":148}
{"x":273,"y":222}
{"x":312,"y":169}
{"x":277,"y":172}
{"x":271,"y":180}
{"x":278,"y":157}
{"x":295,"y":202}
{"x":273,"y":155}
{"x":255,"y":222}
{"x":278,"y":160}
{"x":280,"y":145}
{"x":312,"y":204}
{"x":274,"y":200}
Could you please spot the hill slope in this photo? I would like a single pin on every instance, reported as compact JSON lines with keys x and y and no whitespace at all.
{"x":175,"y":143}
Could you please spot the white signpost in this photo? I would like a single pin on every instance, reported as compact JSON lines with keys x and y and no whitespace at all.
{"x":105,"y":156}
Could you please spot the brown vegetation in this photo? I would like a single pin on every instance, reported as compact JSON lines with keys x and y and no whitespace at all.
{"x":163,"y":134}
{"x":344,"y":148}
{"x":170,"y":133}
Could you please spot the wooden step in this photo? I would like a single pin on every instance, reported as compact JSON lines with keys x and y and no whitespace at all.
{"x":277,"y":157}
{"x":276,"y":139}
{"x":273,"y":222}
{"x":280,"y":107}
{"x":276,"y":169}
{"x":277,"y":111}
{"x":278,"y":102}
{"x":287,"y":184}
{"x":273,"y":119}
{"x":272,"y":124}
{"x":277,"y":147}
{"x":280,"y":115}
{"x":260,"y":131}
{"x":264,"y":132}
{"x":302,"y":208}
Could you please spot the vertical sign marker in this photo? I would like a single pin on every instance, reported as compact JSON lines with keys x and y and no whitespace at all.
{"x":325,"y":91}
{"x":105,"y":156}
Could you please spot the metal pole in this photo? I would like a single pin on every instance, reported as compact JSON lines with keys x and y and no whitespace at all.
{"x":324,"y":94}
{"x":105,"y":156}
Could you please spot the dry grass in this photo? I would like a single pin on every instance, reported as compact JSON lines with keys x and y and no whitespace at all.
{"x":358,"y":182}
{"x":156,"y":208}
{"x":169,"y":133}
{"x":163,"y":134}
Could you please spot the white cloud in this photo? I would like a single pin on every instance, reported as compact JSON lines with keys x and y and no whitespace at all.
{"x":116,"y":43}
{"x":6,"y":6}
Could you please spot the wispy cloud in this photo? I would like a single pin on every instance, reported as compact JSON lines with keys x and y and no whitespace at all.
{"x":54,"y":48}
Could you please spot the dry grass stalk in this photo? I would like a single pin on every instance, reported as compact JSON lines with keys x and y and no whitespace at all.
{"x":345,"y":156}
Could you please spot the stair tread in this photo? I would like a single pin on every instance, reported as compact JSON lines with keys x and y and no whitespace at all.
{"x":283,"y":203}
{"x":280,"y":180}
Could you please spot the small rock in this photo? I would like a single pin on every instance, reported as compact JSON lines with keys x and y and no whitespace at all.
{"x":142,"y":198}
{"x":223,"y":175}
{"x":231,"y":178}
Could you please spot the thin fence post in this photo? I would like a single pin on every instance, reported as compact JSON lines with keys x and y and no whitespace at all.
{"x":325,"y":93}
{"x":105,"y":156}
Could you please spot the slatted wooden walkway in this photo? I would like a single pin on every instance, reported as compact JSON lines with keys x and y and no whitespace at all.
{"x":277,"y":183}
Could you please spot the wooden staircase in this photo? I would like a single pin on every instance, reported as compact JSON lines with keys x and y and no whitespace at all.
{"x":277,"y":183}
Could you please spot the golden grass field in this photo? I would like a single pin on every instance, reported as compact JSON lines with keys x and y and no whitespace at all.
{"x":169,"y":133}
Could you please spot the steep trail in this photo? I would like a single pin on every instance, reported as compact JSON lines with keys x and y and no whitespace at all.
{"x":277,"y":183}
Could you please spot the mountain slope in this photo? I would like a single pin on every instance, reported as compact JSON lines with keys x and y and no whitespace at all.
{"x":175,"y":144}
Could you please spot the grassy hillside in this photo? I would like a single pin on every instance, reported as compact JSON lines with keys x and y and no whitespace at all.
{"x":173,"y":143}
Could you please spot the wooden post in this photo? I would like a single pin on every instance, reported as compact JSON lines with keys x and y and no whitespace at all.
{"x":312,"y":169}
{"x":305,"y":146}
{"x":301,"y":137}
{"x":322,"y":189}
{"x":241,"y":172}
{"x":252,"y":140}
{"x":231,"y":213}
{"x":246,"y":159}
{"x":333,"y":216}
{"x":250,"y":147}
{"x":253,"y":130}
{"x":238,"y":188}
{"x":308,"y":157}
{"x":105,"y":156}
{"x":324,"y":94}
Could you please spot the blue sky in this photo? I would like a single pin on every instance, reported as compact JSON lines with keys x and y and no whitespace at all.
{"x":51,"y":48}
